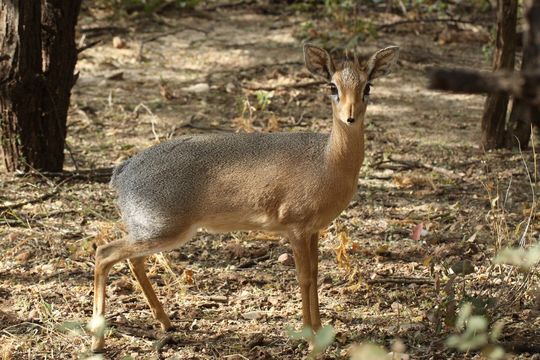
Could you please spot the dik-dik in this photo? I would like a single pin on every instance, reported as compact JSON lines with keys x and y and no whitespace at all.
{"x":293,"y":184}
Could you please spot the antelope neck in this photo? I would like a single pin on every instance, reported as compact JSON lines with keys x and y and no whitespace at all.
{"x":345,"y":147}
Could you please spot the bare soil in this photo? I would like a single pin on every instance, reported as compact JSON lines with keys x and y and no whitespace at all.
{"x":228,"y":295}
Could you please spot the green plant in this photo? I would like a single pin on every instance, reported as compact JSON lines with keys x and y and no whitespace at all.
{"x":263,"y":99}
{"x":523,"y":258}
{"x":320,"y":341}
{"x":475,"y":334}
{"x":368,"y":351}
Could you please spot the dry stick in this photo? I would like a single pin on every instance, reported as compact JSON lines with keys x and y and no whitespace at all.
{"x":98,"y":174}
{"x":522,"y":240}
{"x":402,"y":7}
{"x":133,"y":331}
{"x":524,"y":346}
{"x":403,"y":280}
{"x":88,"y":46}
{"x":417,"y":21}
{"x":72,"y":157}
{"x":229,"y":5}
{"x":517,"y":289}
{"x":166,"y":33}
{"x":285,"y":86}
{"x":419,"y":164}
{"x":80,"y":174}
{"x":100,"y":29}
{"x":153,"y":119}
{"x":256,"y":67}
{"x":31,"y":201}
{"x":521,"y":286}
{"x":43,"y":197}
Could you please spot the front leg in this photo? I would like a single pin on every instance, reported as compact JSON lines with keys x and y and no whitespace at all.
{"x":302,"y":260}
{"x":313,"y":290}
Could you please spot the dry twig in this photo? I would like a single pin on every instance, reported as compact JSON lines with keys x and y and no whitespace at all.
{"x":422,"y":21}
{"x":284,"y":86}
{"x":401,"y":280}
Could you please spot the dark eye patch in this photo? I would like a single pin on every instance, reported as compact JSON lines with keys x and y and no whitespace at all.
{"x":333,"y":89}
{"x":367,"y":89}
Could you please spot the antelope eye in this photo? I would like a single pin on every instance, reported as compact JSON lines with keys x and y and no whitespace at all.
{"x":333,"y":89}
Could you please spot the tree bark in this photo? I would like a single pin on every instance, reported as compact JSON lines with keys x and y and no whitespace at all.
{"x":524,"y":114}
{"x":494,"y":117}
{"x":37,"y":43}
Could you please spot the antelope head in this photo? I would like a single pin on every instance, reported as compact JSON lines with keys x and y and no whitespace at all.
{"x":349,"y":80}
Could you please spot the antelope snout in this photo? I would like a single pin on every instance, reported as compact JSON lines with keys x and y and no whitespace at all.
{"x":348,"y":114}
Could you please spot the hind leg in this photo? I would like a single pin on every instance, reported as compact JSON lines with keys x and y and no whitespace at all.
{"x":106,"y":256}
{"x":109,"y":254}
{"x":138,"y":269}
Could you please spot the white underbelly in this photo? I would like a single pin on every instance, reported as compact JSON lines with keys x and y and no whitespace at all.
{"x":233,"y":222}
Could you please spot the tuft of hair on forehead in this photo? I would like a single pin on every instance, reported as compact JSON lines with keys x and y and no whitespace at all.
{"x":350,"y":59}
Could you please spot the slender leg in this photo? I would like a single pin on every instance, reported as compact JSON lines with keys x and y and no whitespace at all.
{"x":109,"y":254}
{"x":313,"y":296}
{"x":137,"y":268}
{"x":303,"y":273}
{"x":106,"y":256}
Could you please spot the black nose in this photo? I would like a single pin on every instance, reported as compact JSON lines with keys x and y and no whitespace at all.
{"x":350,"y":120}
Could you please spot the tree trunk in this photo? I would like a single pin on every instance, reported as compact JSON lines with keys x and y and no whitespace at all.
{"x":523,"y":114}
{"x":37,"y":43}
{"x":494,"y":117}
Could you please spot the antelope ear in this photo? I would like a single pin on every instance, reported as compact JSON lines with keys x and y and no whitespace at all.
{"x":318,"y":61}
{"x":382,"y":61}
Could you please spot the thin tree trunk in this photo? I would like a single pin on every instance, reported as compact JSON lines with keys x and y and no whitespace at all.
{"x":20,"y":82}
{"x":494,"y":117}
{"x":37,"y":43}
{"x":523,"y":114}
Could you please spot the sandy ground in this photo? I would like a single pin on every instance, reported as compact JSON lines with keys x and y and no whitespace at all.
{"x":228,"y":295}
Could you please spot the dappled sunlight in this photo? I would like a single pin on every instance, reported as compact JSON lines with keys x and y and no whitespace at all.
{"x":430,"y":211}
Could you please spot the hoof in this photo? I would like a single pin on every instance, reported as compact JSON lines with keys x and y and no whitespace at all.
{"x":98,"y":344}
{"x":166,"y":326}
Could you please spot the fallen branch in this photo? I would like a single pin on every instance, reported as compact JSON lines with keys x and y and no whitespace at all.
{"x":400,"y":164}
{"x":166,"y":33}
{"x":401,"y":280}
{"x":174,"y":31}
{"x":88,"y":46}
{"x":100,"y":30}
{"x":418,"y":164}
{"x":521,"y":346}
{"x":99,"y":175}
{"x":229,"y":5}
{"x":137,"y":332}
{"x":421,"y":21}
{"x":31,"y":201}
{"x":252,"y":262}
{"x":284,"y":86}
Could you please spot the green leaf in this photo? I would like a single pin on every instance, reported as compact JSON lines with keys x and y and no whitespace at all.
{"x":368,"y":351}
{"x":304,"y":334}
{"x":323,"y":338}
{"x":523,"y":258}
